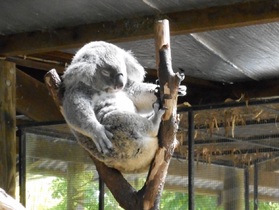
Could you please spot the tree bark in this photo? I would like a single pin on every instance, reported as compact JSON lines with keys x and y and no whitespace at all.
{"x":169,"y":87}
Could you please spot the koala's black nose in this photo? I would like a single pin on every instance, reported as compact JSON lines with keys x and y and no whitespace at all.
{"x":119,"y":81}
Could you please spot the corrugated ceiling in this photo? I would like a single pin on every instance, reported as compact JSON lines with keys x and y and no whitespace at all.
{"x":42,"y":15}
{"x":229,"y":55}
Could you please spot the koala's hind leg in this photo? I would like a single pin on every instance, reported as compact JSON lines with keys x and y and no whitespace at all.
{"x":133,"y":125}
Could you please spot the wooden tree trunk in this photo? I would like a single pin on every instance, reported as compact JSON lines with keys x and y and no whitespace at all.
{"x":149,"y":196}
{"x":169,"y":86}
{"x":7,"y":127}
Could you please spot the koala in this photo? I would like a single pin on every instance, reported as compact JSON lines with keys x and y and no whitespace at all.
{"x":111,"y":111}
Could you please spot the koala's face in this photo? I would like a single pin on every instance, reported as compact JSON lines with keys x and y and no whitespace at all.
{"x":112,"y":81}
{"x":100,"y":65}
{"x":110,"y":76}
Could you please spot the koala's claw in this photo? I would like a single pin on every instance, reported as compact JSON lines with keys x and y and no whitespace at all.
{"x":105,"y":147}
{"x":182,"y":90}
{"x":161,"y":112}
{"x":102,"y":139}
{"x":158,"y":112}
{"x":156,"y":106}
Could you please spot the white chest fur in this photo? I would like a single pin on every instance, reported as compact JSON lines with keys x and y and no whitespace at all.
{"x":116,"y":99}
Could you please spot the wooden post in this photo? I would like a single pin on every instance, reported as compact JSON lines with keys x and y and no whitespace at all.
{"x":74,"y":194}
{"x":233,"y":189}
{"x":7,"y":127}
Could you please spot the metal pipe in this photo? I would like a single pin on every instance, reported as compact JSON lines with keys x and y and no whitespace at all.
{"x":191,"y":193}
{"x":256,"y":199}
{"x":101,"y":194}
{"x":246,"y":187}
{"x":22,"y":166}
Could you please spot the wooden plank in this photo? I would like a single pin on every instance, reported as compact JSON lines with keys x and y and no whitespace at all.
{"x":219,"y":17}
{"x":260,"y":89}
{"x":7,"y":127}
{"x":36,"y":64}
{"x":214,"y":93}
{"x":33,"y":99}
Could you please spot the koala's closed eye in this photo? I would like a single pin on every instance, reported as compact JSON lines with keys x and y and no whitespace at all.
{"x":105,"y":72}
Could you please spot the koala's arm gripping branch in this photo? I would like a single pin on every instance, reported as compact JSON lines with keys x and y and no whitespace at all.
{"x":123,"y":192}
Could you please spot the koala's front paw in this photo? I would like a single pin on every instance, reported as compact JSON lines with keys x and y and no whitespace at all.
{"x":182,"y":90}
{"x":101,"y":138}
{"x":157,"y":111}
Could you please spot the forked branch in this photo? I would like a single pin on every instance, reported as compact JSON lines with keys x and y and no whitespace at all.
{"x":149,"y":196}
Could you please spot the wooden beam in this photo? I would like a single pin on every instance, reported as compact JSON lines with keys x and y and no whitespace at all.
{"x":33,"y":99}
{"x":36,"y":65}
{"x":7,"y":127}
{"x":262,"y":89}
{"x":214,"y":93}
{"x":219,"y":17}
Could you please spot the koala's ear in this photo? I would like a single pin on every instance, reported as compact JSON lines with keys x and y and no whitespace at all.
{"x":77,"y":72}
{"x":135,"y":71}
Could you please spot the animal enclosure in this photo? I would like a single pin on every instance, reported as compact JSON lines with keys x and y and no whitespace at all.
{"x":235,"y":163}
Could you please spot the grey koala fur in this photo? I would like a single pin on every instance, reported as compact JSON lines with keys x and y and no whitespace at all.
{"x":110,"y":109}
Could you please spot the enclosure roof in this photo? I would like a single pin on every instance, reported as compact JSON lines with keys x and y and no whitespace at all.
{"x":40,"y":15}
{"x":229,"y":55}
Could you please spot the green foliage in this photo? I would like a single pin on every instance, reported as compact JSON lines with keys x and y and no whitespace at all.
{"x":86,"y":194}
{"x":265,"y":205}
{"x":59,"y":191}
{"x":173,"y":200}
{"x":179,"y":201}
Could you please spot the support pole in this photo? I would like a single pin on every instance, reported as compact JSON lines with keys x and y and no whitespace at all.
{"x":74,"y":175}
{"x":191,"y":175}
{"x":256,"y":199}
{"x":22,"y":166}
{"x":233,"y":189}
{"x":8,"y":127}
{"x":246,"y":188}
{"x":101,"y":194}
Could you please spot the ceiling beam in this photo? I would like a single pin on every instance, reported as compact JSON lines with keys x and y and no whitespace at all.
{"x":33,"y":99}
{"x":219,"y":17}
{"x":36,"y":64}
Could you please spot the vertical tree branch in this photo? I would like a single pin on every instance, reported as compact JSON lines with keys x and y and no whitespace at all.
{"x":169,"y":86}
